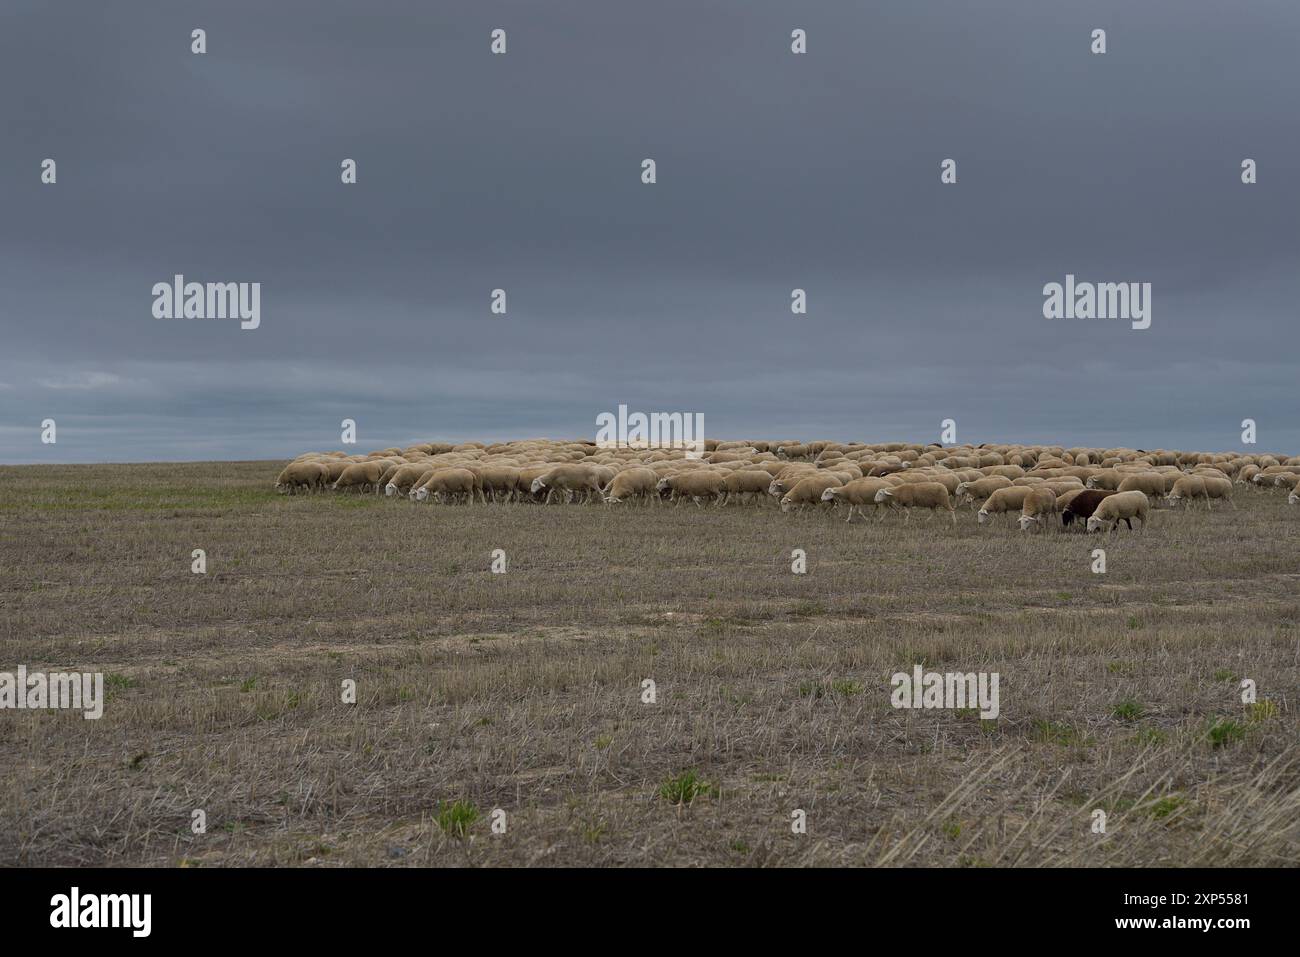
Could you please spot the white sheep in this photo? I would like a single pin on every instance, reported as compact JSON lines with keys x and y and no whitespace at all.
{"x":929,"y":495}
{"x":1120,"y":507}
{"x":1039,"y":502}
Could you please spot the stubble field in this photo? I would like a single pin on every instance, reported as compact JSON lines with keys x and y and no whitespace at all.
{"x":523,"y":691}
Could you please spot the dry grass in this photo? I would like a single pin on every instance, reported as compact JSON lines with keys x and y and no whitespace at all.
{"x":523,"y":691}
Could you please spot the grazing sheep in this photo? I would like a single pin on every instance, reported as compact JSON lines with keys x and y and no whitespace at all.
{"x":1082,"y":504}
{"x":1217,"y":488}
{"x":788,"y":480}
{"x":570,"y":479}
{"x":1107,"y":479}
{"x":977,"y":491}
{"x":388,"y":474}
{"x":929,"y":495}
{"x":1120,"y":507}
{"x":447,"y":485}
{"x":947,"y":479}
{"x":1006,"y":471}
{"x":695,"y":485}
{"x":360,"y":475}
{"x":527,"y":475}
{"x":334,"y":468}
{"x":1003,"y":500}
{"x":885,"y":468}
{"x":746,"y":485}
{"x":992,"y":478}
{"x":1039,"y":502}
{"x":499,"y":481}
{"x":1187,"y":488}
{"x":296,"y":475}
{"x":1063,"y":499}
{"x":401,"y":480}
{"x":1060,"y":486}
{"x":808,"y":491}
{"x":859,"y":494}
{"x":1151,"y":484}
{"x":634,"y":483}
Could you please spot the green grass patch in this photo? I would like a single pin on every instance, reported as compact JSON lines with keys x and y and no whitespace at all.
{"x":456,"y":818}
{"x":1128,"y":710}
{"x":1060,"y":733}
{"x":684,"y":788}
{"x":1224,"y":731}
{"x":1261,"y":711}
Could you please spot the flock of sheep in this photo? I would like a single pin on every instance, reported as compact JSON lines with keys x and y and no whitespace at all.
{"x":1097,"y":488}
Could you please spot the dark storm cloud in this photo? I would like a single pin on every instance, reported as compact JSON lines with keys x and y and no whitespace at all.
{"x":522,"y":171}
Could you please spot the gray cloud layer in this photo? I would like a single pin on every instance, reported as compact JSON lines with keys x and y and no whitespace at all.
{"x":522,"y":171}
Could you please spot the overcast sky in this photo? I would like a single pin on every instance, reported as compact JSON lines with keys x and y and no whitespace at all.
{"x":523,"y":171}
